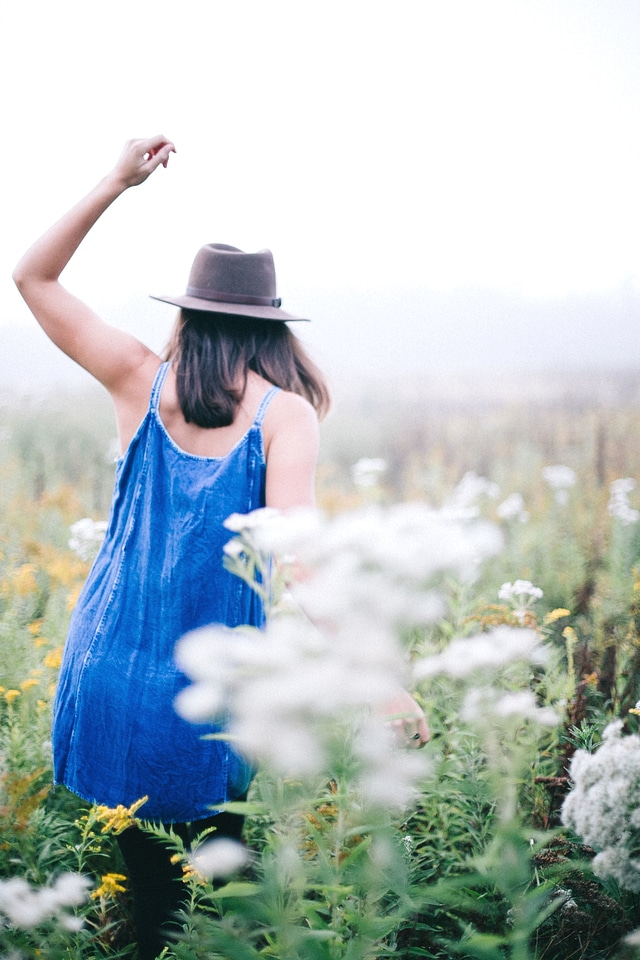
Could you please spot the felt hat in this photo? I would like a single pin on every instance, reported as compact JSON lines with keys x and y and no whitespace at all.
{"x":226,"y":280}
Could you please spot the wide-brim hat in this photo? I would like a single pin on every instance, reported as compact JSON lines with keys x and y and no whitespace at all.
{"x":226,"y":280}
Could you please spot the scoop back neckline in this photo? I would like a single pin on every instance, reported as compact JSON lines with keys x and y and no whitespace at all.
{"x":198,"y":456}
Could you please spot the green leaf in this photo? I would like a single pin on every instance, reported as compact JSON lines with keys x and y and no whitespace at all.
{"x":237,"y":888}
{"x":242,"y":807}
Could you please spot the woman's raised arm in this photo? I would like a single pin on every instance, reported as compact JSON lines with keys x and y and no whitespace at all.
{"x":107,"y":353}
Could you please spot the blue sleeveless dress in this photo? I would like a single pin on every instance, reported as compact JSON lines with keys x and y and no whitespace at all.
{"x":159,"y":574}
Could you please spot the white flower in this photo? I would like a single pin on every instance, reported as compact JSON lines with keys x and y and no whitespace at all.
{"x":485,"y":703}
{"x":70,"y":889}
{"x":520,"y":594}
{"x":219,"y":857}
{"x":390,"y":775}
{"x":463,"y":502}
{"x":519,"y":591}
{"x":86,"y":536}
{"x":26,"y":906}
{"x":239,"y":522}
{"x":485,"y":651}
{"x":619,"y":506}
{"x":513,"y":508}
{"x":559,"y":477}
{"x":602,"y":806}
{"x":367,"y":471}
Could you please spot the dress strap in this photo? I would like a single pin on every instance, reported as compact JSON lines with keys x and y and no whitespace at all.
{"x":264,"y":403}
{"x":157,"y":385}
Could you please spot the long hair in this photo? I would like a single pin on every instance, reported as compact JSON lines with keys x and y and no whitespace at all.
{"x":213,"y":353}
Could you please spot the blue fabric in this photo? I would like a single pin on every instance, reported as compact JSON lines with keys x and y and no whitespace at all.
{"x":159,"y":574}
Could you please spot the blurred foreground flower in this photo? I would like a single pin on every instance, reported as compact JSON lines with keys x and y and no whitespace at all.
{"x":219,"y":858}
{"x":486,"y":703}
{"x":467,"y":656}
{"x":25,"y":906}
{"x":317,"y":682}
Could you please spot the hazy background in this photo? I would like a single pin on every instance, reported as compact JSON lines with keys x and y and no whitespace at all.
{"x":446,"y":186}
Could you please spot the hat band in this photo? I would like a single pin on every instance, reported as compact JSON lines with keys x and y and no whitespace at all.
{"x":220,"y":297}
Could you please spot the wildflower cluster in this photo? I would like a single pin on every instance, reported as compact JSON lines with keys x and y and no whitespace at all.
{"x":325,"y":676}
{"x":25,"y":906}
{"x":520,"y":594}
{"x":117,"y":819}
{"x":619,"y":506}
{"x":110,"y":885}
{"x":603,"y":805}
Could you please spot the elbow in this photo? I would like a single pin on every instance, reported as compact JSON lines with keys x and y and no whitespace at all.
{"x":20,"y":277}
{"x":26,"y":280}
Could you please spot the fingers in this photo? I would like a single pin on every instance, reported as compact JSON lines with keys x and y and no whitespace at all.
{"x":159,"y":148}
{"x":417,"y":731}
{"x":141,"y":157}
{"x":410,"y":730}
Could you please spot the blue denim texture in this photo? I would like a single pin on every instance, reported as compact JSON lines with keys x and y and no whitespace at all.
{"x":159,"y":574}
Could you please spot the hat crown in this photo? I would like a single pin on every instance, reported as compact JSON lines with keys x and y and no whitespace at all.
{"x":226,"y":280}
{"x":224,"y":273}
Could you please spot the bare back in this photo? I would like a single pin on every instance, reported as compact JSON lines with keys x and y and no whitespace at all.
{"x":290,"y":430}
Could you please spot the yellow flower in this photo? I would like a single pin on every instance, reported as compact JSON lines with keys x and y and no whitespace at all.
{"x":29,"y":683}
{"x":111,"y":883}
{"x":557,"y":614}
{"x":24,"y":579}
{"x":41,"y":642}
{"x":117,"y":819}
{"x":11,"y":695}
{"x":53,"y":659}
{"x":192,"y":874}
{"x":35,"y":627}
{"x":72,"y":596}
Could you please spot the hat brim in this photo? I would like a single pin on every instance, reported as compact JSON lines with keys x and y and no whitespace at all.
{"x":235,"y":309}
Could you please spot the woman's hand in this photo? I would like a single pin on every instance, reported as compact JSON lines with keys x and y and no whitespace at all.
{"x":139,"y":158}
{"x":407,"y":720}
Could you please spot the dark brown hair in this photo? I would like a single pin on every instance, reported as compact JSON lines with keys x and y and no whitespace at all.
{"x":213,"y":353}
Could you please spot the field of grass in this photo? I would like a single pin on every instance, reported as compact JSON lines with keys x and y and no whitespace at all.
{"x":480,"y":863}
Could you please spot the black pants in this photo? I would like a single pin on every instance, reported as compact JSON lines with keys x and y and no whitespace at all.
{"x":156,"y":883}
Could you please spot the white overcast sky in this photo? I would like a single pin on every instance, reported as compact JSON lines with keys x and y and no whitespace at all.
{"x":379,"y":149}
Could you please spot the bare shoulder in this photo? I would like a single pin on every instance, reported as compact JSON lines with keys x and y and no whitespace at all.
{"x":291,"y":438}
{"x":289,"y":412}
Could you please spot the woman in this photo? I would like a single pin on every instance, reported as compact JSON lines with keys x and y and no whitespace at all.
{"x":227,"y":423}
